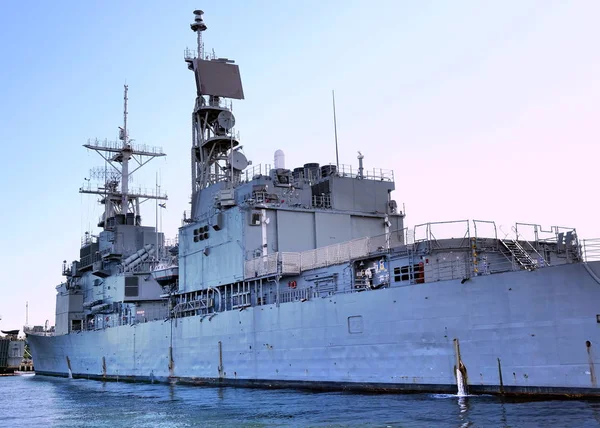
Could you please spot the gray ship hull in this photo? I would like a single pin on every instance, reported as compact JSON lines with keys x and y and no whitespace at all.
{"x":518,"y":333}
{"x":11,"y":353}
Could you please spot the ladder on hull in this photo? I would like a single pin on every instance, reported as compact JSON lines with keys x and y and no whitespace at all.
{"x":521,"y":257}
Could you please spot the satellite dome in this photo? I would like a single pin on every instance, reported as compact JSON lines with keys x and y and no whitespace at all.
{"x":279,"y":159}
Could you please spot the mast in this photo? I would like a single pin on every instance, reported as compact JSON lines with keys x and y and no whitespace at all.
{"x":215,"y":145}
{"x":122,"y":206}
{"x":123,"y":136}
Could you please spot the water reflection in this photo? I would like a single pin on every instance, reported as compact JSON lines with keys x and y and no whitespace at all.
{"x":172,"y":391}
{"x":464,"y":406}
{"x":68,"y":402}
{"x":503,"y":417}
{"x":596,"y":411}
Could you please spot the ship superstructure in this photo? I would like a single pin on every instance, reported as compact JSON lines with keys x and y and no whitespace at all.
{"x":111,"y":284}
{"x":307,"y":277}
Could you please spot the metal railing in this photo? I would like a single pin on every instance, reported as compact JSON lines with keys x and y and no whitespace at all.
{"x":488,"y":223}
{"x":118,"y":145}
{"x":88,"y":239}
{"x":439,"y":236}
{"x":89,"y":260}
{"x":189,"y":54}
{"x":372,"y":174}
{"x":135,"y":192}
{"x":321,"y":201}
{"x":301,"y":294}
{"x":261,"y":266}
{"x":534,"y":234}
{"x":590,"y":249}
{"x":256,"y":170}
{"x":425,"y":231}
{"x":172,"y":242}
{"x":293,"y":263}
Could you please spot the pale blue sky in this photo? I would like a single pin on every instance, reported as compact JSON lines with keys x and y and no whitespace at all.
{"x":485,"y":110}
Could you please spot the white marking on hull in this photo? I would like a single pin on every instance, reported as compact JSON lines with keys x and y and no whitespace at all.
{"x":461,"y":384}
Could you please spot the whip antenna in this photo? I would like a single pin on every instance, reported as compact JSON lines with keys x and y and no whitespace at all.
{"x":337,"y":159}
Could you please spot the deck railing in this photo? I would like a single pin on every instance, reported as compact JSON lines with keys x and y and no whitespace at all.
{"x":293,"y":263}
{"x":590,"y":249}
{"x":448,"y":235}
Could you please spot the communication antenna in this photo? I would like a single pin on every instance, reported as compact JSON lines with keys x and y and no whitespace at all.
{"x":337,"y":159}
{"x":123,"y":136}
{"x":156,"y":219}
{"x":27,"y":313}
{"x":199,"y":26}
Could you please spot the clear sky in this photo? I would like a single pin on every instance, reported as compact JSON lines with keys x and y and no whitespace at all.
{"x":485,"y":110}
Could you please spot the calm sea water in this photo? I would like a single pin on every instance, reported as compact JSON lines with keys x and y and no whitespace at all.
{"x":52,"y":402}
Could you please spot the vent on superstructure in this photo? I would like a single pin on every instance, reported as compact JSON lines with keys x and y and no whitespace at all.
{"x":131,"y":286}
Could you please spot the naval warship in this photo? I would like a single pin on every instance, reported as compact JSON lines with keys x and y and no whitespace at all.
{"x":306,"y":277}
{"x":11,"y":351}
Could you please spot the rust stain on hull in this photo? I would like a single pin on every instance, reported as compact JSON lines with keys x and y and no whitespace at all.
{"x":500,"y":377}
{"x":593,"y":378}
{"x":220,"y":367}
{"x":460,"y":367}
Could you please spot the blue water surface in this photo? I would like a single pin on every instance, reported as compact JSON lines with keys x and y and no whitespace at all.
{"x":41,"y":401}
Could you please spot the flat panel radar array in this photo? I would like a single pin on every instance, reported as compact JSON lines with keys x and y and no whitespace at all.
{"x":218,"y":77}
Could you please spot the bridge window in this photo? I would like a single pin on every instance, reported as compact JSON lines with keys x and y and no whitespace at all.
{"x":404,"y":273}
{"x":401,"y":274}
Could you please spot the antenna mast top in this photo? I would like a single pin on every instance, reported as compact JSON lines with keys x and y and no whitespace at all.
{"x":123,"y":135}
{"x":126,"y":153}
{"x":198,"y":27}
